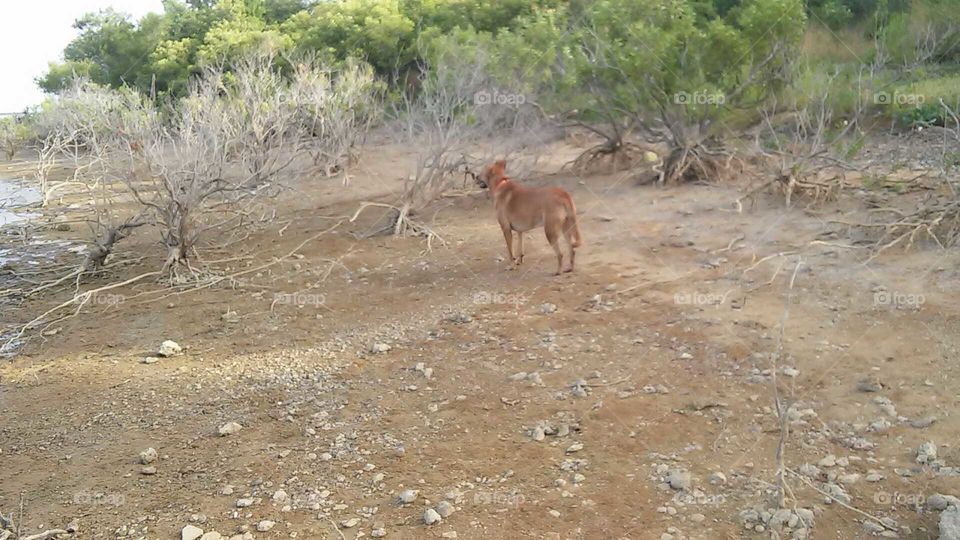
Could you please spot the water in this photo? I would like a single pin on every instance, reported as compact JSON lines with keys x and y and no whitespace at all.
{"x":15,"y":195}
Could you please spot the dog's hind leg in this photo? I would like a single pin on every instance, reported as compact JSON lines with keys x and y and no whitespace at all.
{"x":552,"y":229}
{"x":508,"y":238}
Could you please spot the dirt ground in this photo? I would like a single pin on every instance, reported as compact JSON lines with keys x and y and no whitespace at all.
{"x":362,"y":368}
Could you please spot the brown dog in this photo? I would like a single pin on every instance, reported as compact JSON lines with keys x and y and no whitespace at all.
{"x":522,"y":209}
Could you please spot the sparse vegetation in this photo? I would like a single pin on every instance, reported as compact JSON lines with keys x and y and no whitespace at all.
{"x":225,"y":156}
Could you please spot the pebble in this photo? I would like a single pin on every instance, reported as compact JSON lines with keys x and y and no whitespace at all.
{"x":717,"y":478}
{"x":548,"y":308}
{"x":379,"y":532}
{"x":431,"y":516}
{"x":212,"y":535}
{"x":449,"y":534}
{"x":191,"y":532}
{"x":265,"y":525}
{"x":377,"y":348}
{"x":169,"y":348}
{"x":148,"y":456}
{"x":927,"y":453}
{"x":698,"y":518}
{"x":230,"y":428}
{"x":445,"y":509}
{"x":940,"y":502}
{"x":148,"y":471}
{"x":407,"y":496}
{"x":280,"y":496}
{"x":679,"y":480}
{"x":554,"y":513}
{"x":575,"y":447}
{"x":350,"y":523}
{"x":243,"y":503}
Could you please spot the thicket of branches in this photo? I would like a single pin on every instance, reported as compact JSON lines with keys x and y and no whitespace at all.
{"x":201,"y":162}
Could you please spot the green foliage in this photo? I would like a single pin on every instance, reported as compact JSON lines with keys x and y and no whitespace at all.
{"x":14,"y":135}
{"x":162,"y":52}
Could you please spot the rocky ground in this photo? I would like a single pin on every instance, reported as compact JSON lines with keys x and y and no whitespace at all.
{"x":380,"y":388}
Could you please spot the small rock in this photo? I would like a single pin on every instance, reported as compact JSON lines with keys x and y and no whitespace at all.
{"x":148,"y":456}
{"x":548,"y":308}
{"x":243,"y":503}
{"x":445,"y":509}
{"x":697,"y":518}
{"x":717,"y":478}
{"x":212,"y":535}
{"x":379,"y":532}
{"x":191,"y":532}
{"x":378,"y":348}
{"x":940,"y":502}
{"x":873,"y":476}
{"x":265,"y":525}
{"x":575,"y":447}
{"x":431,"y":516}
{"x":350,"y":523}
{"x":679,"y":480}
{"x":927,"y":453}
{"x":828,"y":461}
{"x":923,"y":423}
{"x":148,"y":471}
{"x":407,"y":496}
{"x":280,"y":496}
{"x":230,"y":428}
{"x":169,"y":348}
{"x":449,"y":534}
{"x":950,"y":524}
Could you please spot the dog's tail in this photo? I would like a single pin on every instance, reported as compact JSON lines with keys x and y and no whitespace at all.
{"x":571,"y":227}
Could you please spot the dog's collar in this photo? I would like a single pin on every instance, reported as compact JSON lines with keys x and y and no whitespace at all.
{"x":500,"y":182}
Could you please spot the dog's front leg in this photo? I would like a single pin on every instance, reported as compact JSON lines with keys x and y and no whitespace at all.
{"x":519,"y":248}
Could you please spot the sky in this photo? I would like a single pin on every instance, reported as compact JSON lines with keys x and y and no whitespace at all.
{"x":34,"y":32}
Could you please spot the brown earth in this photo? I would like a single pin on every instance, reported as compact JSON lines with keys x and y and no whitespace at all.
{"x":669,"y":323}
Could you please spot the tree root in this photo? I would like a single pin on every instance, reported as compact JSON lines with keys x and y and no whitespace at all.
{"x":620,"y":153}
{"x":398,"y":223}
{"x":937,"y":221}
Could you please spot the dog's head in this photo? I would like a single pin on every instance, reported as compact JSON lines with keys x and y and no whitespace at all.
{"x":492,"y":174}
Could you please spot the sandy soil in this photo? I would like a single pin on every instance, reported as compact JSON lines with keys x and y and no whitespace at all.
{"x":390,"y":367}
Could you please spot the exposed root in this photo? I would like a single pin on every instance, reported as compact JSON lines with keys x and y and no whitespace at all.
{"x":937,"y":221}
{"x":398,"y":223}
{"x":620,"y":154}
{"x":797,"y":186}
{"x":696,"y":163}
